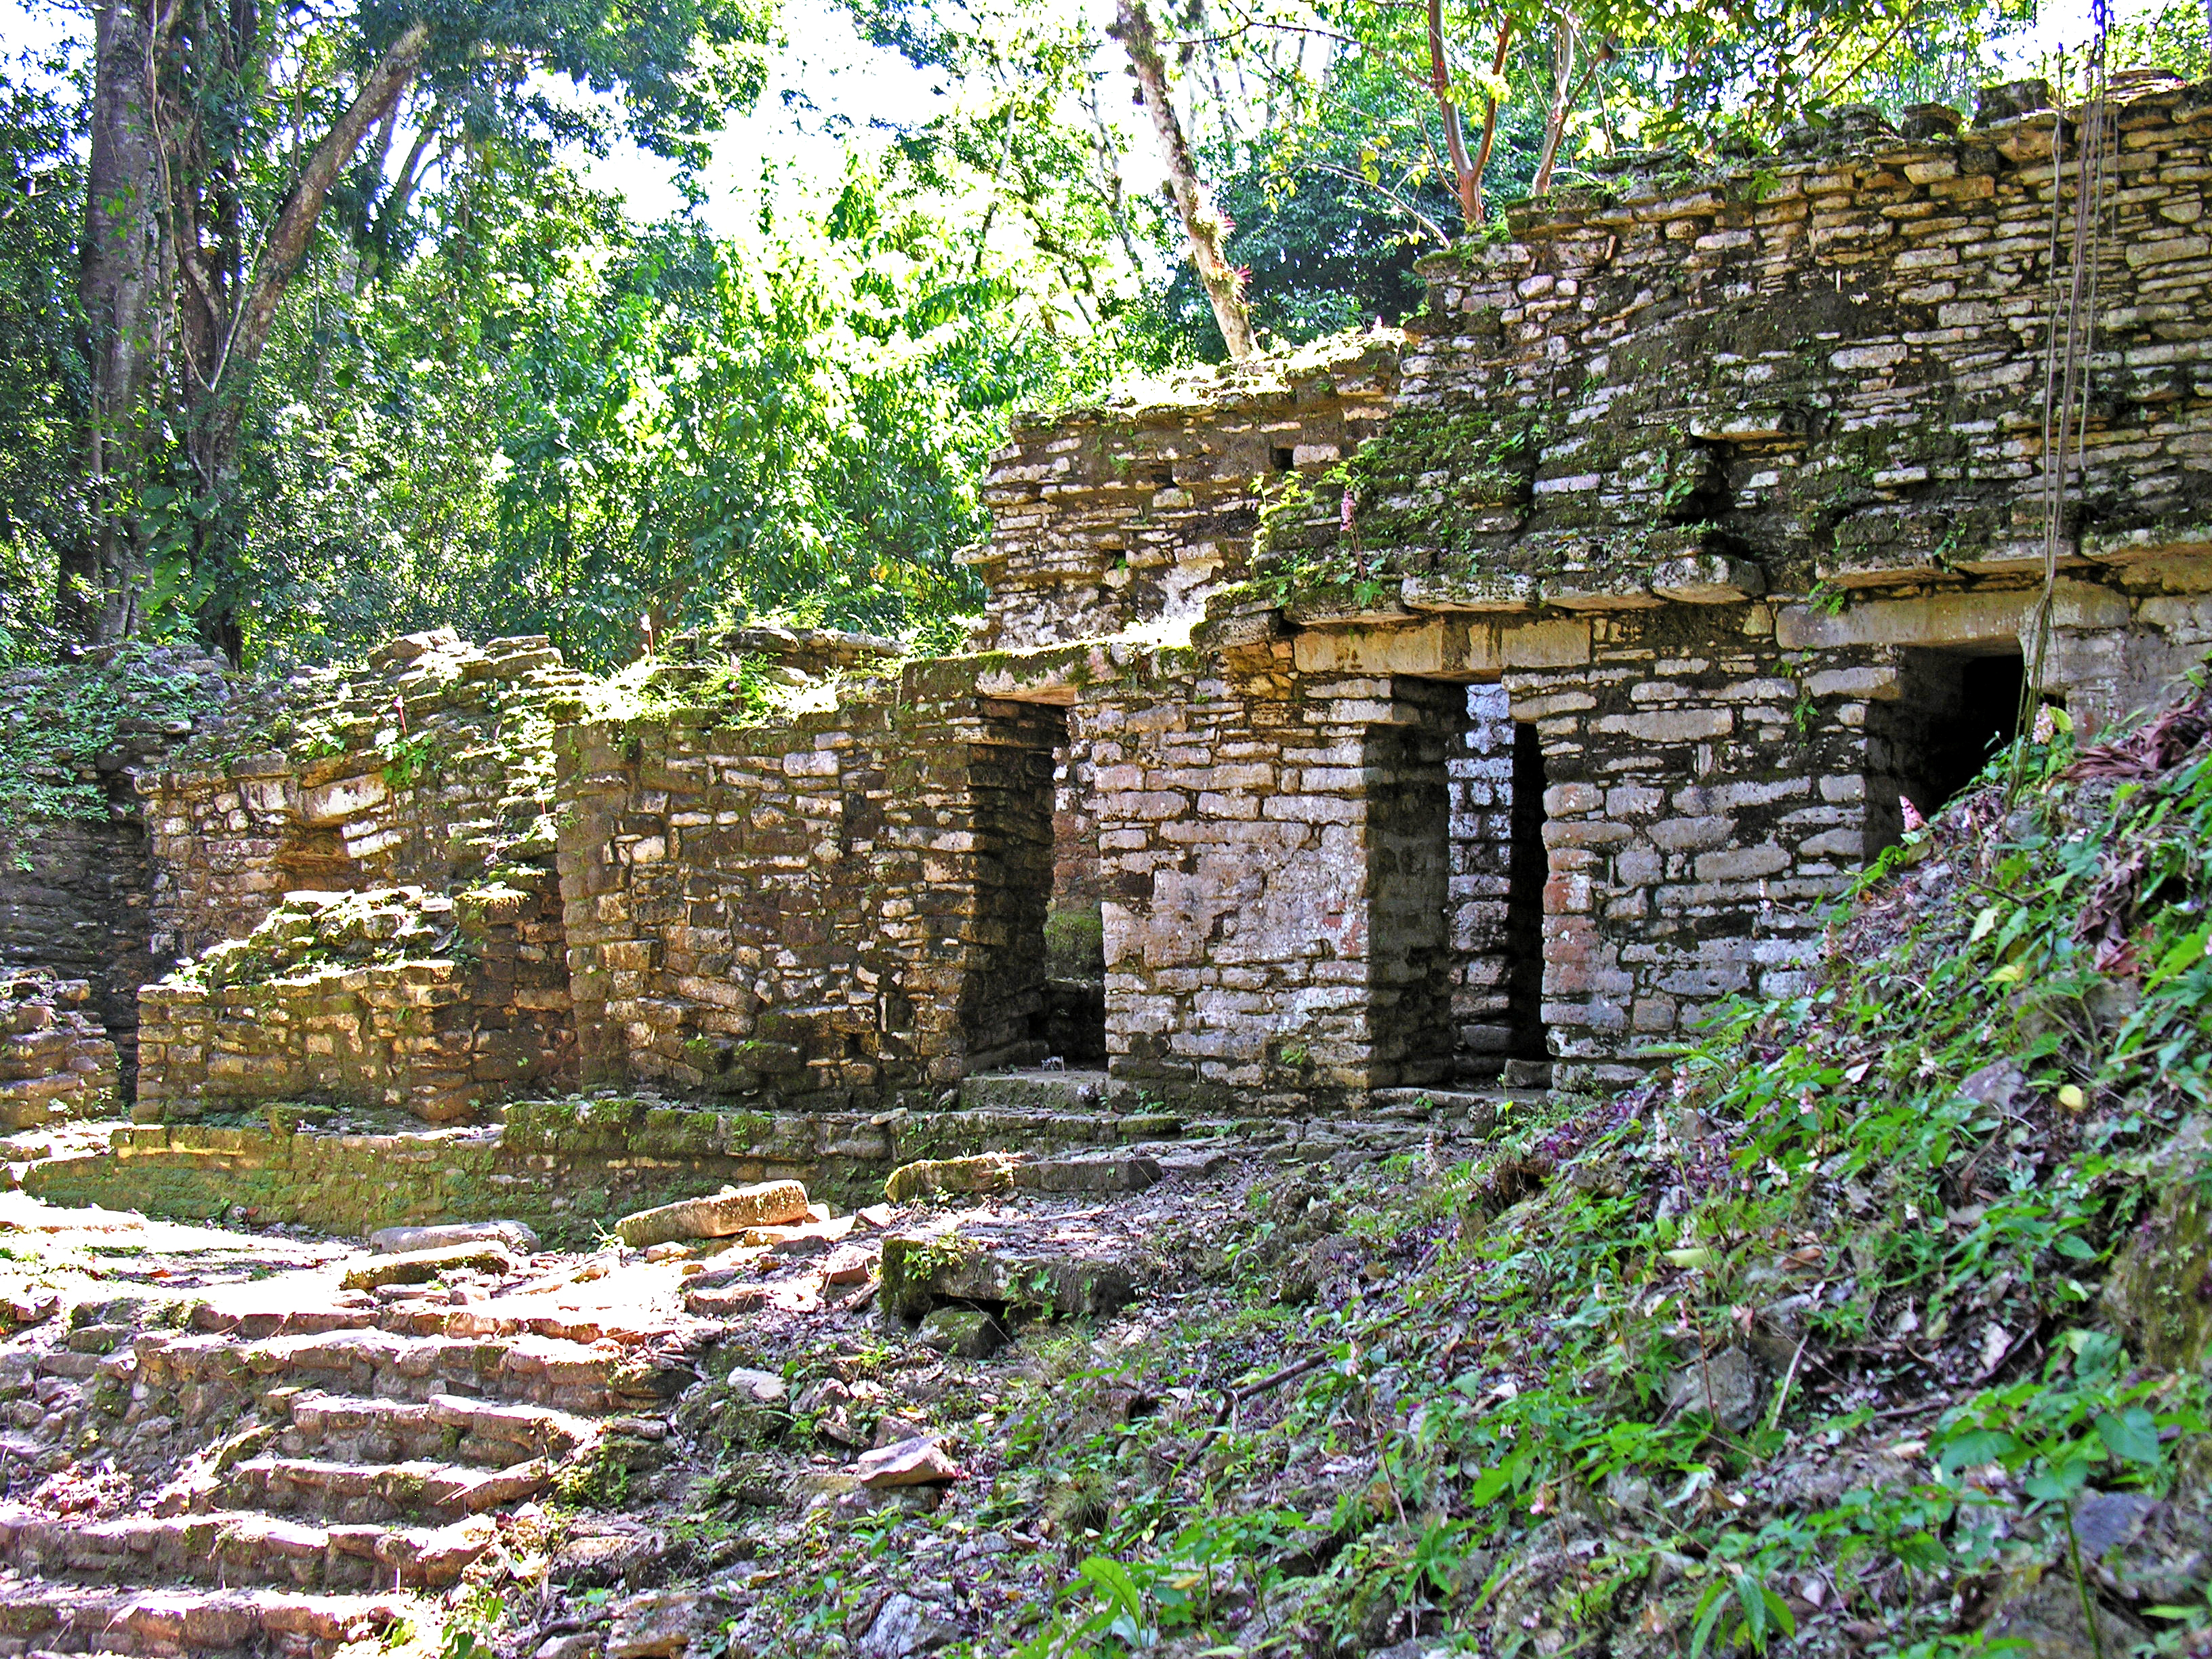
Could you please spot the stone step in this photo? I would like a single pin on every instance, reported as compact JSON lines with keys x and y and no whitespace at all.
{"x":214,"y":1374}
{"x":445,"y":1427}
{"x":233,"y":1548}
{"x":369,"y":1493}
{"x":518,"y":1316}
{"x":67,"y":1619}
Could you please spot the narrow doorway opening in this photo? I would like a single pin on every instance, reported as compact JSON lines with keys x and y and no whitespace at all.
{"x":1005,"y":1013}
{"x":1413,"y":880}
{"x":1955,"y":710}
{"x":1498,"y":872}
{"x":1074,"y":927}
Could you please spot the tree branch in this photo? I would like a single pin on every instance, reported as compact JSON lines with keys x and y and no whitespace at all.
{"x":286,"y":243}
{"x":1387,"y":195}
{"x":1464,"y":175}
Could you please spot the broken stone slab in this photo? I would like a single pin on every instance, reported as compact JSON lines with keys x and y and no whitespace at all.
{"x":657,"y":1624}
{"x":401,"y":1241}
{"x":1088,"y":1172}
{"x":612,"y":1558}
{"x":725,"y":1301}
{"x":892,"y":1428}
{"x":921,"y":1271}
{"x":904,"y":1627}
{"x":964,"y":1332}
{"x":728,"y":1212}
{"x":1725,"y":1384}
{"x":421,"y":1266}
{"x":985,"y":1173}
{"x":1475,"y":1111}
{"x":917,"y":1462}
{"x":762,"y":1388}
{"x":802,"y":1240}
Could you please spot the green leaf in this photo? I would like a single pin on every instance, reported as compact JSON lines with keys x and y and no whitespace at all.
{"x":1709,"y":1614}
{"x":2131,"y":1436}
{"x":1975,"y":1448}
{"x":1782,"y":1615}
{"x":1922,"y":1550}
{"x":2183,"y":954}
{"x":1752,"y":1592}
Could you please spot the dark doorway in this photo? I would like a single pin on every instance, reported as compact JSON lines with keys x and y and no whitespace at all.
{"x":1004,"y":1010}
{"x":1413,"y":876}
{"x":1955,"y":710}
{"x":1498,"y":872}
{"x":1041,"y":991}
{"x":1074,"y":925}
{"x":1527,"y":870}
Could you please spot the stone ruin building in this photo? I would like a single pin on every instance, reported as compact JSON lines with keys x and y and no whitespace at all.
{"x":1354,"y":732}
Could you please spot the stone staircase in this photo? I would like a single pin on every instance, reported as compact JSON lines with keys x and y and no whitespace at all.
{"x":286,"y":1466}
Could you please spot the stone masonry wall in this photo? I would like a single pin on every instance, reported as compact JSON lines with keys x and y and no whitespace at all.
{"x":426,"y":767}
{"x":56,"y":1060}
{"x":1821,"y":369}
{"x":1717,"y":480}
{"x":1275,"y":866}
{"x":1127,"y":516}
{"x":848,"y":905}
{"x":74,"y":888}
{"x":433,"y":1004}
{"x":73,"y":899}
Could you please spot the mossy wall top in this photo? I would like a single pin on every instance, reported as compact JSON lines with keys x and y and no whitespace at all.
{"x":429,"y":765}
{"x":1686,"y":387}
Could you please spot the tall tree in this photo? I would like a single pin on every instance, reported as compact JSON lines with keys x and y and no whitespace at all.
{"x":118,"y":274}
{"x":42,"y":371}
{"x":220,"y":132}
{"x":1203,"y":228}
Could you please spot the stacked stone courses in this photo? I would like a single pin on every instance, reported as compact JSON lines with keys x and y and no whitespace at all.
{"x":428,"y":766}
{"x":1694,"y":471}
{"x":56,"y":1060}
{"x":850,"y":905}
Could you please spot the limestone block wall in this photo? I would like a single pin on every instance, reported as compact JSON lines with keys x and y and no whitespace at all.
{"x":1821,"y":369}
{"x":1706,"y":792}
{"x":428,"y":766}
{"x":73,"y":900}
{"x":433,"y":1004}
{"x":1275,"y":863}
{"x":847,"y":905}
{"x":73,"y":889}
{"x":56,"y":1060}
{"x":1128,"y":516}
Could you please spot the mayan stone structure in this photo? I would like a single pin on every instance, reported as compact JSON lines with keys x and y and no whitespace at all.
{"x":75,"y":890}
{"x":1478,"y":703}
{"x":56,"y":1060}
{"x":431,"y":1002}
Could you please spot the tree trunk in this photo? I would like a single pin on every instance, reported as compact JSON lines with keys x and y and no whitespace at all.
{"x":1490,"y":113}
{"x":118,"y":281}
{"x":1555,"y":119}
{"x":1202,"y":227}
{"x":1470,"y":181}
